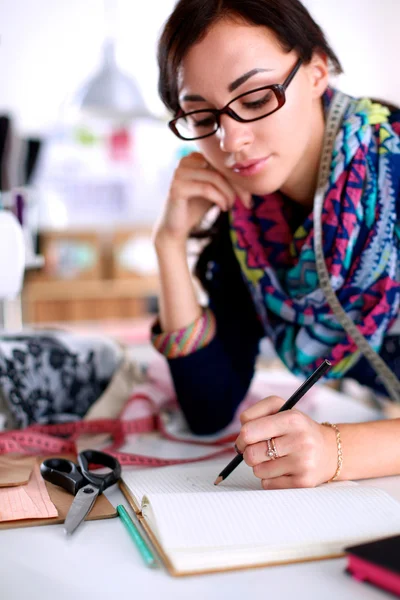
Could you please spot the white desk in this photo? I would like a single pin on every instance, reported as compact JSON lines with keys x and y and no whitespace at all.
{"x":100,"y":561}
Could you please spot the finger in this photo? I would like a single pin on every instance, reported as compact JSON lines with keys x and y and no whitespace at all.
{"x":265,"y":428}
{"x":195,"y":159}
{"x":208,"y":175}
{"x":271,"y":469}
{"x":286,"y":482}
{"x":258,"y":453}
{"x":183,"y":190}
{"x":267,"y":406}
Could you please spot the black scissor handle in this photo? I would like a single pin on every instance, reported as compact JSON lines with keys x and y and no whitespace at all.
{"x":105,"y":460}
{"x":64,"y":473}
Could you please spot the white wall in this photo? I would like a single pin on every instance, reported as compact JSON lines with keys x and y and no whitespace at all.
{"x":365,"y":36}
{"x":48,"y":47}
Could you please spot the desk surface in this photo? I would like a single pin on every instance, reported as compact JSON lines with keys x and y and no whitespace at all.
{"x":100,"y":561}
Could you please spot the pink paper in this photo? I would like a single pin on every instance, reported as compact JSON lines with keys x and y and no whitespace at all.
{"x":31,"y":501}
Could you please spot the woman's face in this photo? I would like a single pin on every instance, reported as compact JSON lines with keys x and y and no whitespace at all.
{"x":272,"y":153}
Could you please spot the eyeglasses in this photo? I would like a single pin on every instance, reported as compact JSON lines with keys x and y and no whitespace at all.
{"x":251,"y":106}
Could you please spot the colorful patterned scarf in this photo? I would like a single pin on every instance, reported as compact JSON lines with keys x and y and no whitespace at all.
{"x":361,"y":242}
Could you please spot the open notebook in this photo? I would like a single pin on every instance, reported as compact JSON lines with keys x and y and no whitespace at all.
{"x":197,"y":527}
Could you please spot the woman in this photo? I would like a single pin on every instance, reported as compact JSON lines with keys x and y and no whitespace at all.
{"x":307,"y":181}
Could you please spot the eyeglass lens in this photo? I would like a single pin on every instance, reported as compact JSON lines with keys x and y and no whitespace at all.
{"x":249,"y":107}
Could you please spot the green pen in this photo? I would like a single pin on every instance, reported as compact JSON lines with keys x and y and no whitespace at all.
{"x":137,"y":537}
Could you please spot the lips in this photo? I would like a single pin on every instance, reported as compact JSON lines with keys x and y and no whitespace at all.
{"x":250,"y":167}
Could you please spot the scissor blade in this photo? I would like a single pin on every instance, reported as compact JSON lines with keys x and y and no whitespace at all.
{"x":80,"y":507}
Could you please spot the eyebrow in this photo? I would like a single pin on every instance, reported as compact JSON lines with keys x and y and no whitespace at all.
{"x":240,"y":80}
{"x":231,"y":87}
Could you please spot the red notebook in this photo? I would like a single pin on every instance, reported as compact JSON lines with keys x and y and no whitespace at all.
{"x":377,"y":562}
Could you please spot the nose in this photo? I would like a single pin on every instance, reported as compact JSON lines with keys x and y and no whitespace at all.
{"x":234,"y":136}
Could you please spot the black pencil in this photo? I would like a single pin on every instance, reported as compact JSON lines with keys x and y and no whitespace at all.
{"x":294,"y":398}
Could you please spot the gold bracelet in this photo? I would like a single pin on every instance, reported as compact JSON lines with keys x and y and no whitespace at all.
{"x":339,"y":451}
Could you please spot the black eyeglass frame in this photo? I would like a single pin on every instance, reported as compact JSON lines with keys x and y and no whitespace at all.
{"x":279,"y":90}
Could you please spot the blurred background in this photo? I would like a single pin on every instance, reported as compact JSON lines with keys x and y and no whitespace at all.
{"x":86,"y":156}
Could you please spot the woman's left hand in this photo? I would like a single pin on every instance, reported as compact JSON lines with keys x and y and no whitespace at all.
{"x":306,"y":451}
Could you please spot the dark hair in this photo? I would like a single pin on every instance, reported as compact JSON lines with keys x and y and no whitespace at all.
{"x":191,"y":19}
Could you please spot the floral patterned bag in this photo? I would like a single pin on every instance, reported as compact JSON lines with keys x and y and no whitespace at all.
{"x":53,"y":376}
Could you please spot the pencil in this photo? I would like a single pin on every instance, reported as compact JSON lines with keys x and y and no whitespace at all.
{"x":294,"y":398}
{"x":137,"y":537}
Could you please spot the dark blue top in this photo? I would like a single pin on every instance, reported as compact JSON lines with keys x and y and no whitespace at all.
{"x":211,"y":382}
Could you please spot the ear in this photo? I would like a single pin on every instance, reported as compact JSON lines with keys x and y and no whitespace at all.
{"x":318,"y":73}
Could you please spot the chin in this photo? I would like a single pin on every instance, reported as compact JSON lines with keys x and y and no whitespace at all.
{"x":264,"y":186}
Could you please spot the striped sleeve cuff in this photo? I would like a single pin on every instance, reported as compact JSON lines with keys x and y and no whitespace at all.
{"x":187,"y":340}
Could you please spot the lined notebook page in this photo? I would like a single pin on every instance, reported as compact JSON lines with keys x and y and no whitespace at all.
{"x":202,"y":526}
{"x":259,"y":526}
{"x":277,"y":517}
{"x":193,"y":478}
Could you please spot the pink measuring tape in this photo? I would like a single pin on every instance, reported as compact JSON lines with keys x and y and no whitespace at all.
{"x":61,"y":438}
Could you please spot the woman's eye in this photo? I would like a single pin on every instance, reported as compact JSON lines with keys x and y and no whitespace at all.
{"x":207,"y":122}
{"x":260,"y":102}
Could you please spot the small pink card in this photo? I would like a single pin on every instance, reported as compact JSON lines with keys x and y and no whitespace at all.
{"x":31,"y":501}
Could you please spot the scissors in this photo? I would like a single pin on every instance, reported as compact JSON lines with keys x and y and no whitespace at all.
{"x":78,"y":480}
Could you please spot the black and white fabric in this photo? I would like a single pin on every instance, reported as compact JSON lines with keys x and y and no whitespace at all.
{"x":53,"y":376}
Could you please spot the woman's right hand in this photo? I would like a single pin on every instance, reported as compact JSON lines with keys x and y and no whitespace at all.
{"x":194,"y":189}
